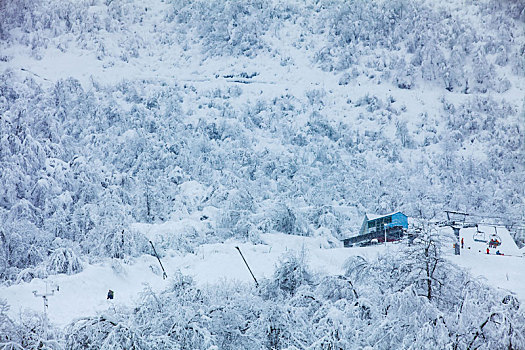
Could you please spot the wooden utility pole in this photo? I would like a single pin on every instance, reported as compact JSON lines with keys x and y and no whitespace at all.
{"x":242,"y":256}
{"x":164,"y":275}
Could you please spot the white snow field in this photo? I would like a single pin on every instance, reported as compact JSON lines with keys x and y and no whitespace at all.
{"x":84,"y":294}
{"x":476,"y":240}
{"x":505,"y":271}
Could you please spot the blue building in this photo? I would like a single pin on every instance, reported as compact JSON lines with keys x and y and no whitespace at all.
{"x":392,"y":226}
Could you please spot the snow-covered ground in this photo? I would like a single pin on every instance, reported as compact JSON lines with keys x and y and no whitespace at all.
{"x":84,"y":294}
{"x":505,"y":271}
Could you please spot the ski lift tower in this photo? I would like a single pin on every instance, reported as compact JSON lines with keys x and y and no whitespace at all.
{"x":45,"y":296}
{"x":456,"y":226}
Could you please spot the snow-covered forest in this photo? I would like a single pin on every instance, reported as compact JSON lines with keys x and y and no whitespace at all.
{"x":261,"y":116}
{"x":383,"y":303}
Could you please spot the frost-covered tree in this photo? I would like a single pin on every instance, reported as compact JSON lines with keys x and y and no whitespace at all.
{"x":63,"y":260}
{"x":290,"y":273}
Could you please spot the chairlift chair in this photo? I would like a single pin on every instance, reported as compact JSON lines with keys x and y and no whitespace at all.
{"x":496,"y":240}
{"x":480,"y":236}
{"x":495,"y":237}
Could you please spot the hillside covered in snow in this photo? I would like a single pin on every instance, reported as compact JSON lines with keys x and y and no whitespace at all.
{"x":234,"y":120}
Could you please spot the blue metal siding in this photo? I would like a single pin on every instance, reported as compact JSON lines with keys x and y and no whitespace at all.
{"x":398,"y":219}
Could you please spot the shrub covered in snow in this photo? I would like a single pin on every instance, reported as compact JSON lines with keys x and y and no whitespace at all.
{"x":378,"y":303}
{"x":63,"y":260}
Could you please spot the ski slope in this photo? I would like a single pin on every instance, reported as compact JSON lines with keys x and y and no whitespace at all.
{"x":477,"y":239}
{"x":84,"y":294}
{"x":505,"y":271}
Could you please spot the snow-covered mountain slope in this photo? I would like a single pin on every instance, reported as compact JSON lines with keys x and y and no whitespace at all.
{"x":201,"y":125}
{"x":294,"y":117}
{"x":84,"y":294}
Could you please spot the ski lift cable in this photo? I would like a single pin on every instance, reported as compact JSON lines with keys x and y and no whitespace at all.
{"x":478,"y":215}
{"x":520,"y":226}
{"x":493,"y":224}
{"x":508,"y":222}
{"x":507,"y":219}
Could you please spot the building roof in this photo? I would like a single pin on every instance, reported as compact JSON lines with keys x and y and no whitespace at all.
{"x":377,"y":216}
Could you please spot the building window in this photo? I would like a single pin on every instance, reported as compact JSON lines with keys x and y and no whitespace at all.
{"x":378,"y":223}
